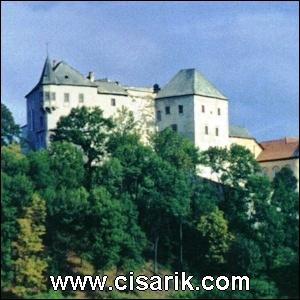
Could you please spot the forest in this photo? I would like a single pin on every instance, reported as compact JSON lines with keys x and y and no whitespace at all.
{"x":100,"y":198}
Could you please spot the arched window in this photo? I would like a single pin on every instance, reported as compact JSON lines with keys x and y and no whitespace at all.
{"x":275,"y":170}
{"x":264,"y":171}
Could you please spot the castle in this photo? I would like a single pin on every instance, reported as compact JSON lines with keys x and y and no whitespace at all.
{"x":188,"y":103}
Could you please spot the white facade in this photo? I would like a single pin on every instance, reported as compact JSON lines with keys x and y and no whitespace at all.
{"x":43,"y":115}
{"x":188,"y":103}
{"x":202,"y":119}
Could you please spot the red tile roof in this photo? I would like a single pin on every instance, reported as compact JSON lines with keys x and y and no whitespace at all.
{"x":285,"y":148}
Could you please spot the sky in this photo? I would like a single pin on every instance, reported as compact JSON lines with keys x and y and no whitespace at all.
{"x":248,"y":50}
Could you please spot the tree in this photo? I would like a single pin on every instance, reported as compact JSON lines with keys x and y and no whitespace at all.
{"x":87,"y":129}
{"x":181,"y":154}
{"x":125,"y":122}
{"x":8,"y":232}
{"x":286,"y":199}
{"x":67,"y":204}
{"x":67,"y":226}
{"x":235,"y":168}
{"x":16,"y":193}
{"x":245,"y":257}
{"x":176,"y":149}
{"x":66,"y":164}
{"x":40,"y":171}
{"x":9,"y":129}
{"x":30,"y":264}
{"x":106,"y":229}
{"x":233,"y":165}
{"x":285,"y":263}
{"x":214,"y":228}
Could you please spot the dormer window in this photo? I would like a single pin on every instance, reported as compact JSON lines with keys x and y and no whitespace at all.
{"x":66,"y":76}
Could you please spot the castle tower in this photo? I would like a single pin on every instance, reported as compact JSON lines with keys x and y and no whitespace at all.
{"x":191,"y":105}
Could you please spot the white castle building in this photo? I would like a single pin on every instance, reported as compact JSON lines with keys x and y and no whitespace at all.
{"x":188,"y":103}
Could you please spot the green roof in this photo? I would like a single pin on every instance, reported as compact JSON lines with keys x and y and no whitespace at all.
{"x":189,"y":82}
{"x":238,"y":131}
{"x":110,"y":87}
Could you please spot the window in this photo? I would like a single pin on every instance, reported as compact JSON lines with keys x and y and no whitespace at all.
{"x":219,"y":111}
{"x":174,"y":127}
{"x":113,"y":102}
{"x":158,"y":115}
{"x":180,"y":109}
{"x":217,"y":131}
{"x":168,"y":111}
{"x":81,"y":98}
{"x":275,"y":170}
{"x":206,"y":129}
{"x":265,"y":171}
{"x":67,"y":98}
{"x":203,"y":108}
{"x":47,"y":96}
{"x":53,"y":96}
{"x":288,"y":166}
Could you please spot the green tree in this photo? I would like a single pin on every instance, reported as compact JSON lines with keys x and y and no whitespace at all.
{"x":235,"y":168}
{"x":176,"y":149}
{"x":214,"y":228}
{"x":87,"y":129}
{"x":9,"y":129}
{"x":285,"y":259}
{"x":286,"y":199}
{"x":67,"y":204}
{"x":246,"y":257}
{"x":106,"y":228}
{"x":8,"y":232}
{"x":40,"y":171}
{"x":181,"y":154}
{"x":16,"y":193}
{"x":30,"y":264}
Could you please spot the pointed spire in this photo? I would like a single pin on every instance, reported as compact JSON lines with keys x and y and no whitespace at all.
{"x":48,"y":75}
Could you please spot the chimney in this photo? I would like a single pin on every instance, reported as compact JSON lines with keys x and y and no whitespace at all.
{"x":156,"y":88}
{"x":91,"y":76}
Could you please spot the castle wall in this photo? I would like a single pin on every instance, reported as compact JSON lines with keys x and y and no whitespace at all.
{"x":214,"y":117}
{"x":184,"y":121}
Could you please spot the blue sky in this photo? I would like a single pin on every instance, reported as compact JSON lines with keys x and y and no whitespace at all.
{"x":249,"y":50}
